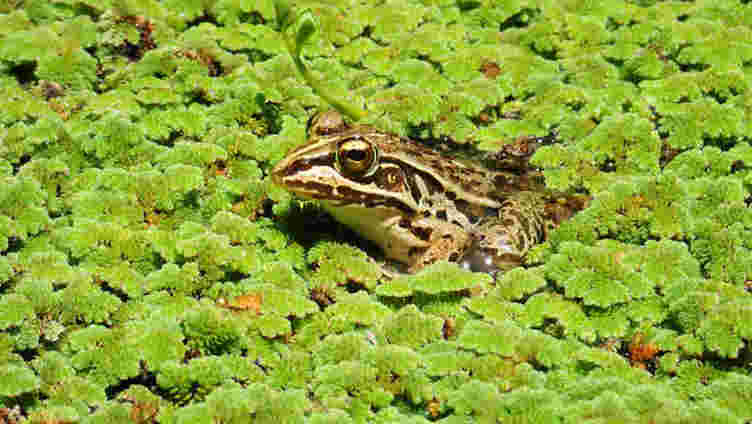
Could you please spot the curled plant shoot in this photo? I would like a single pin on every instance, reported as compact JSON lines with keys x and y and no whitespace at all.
{"x":307,"y":26}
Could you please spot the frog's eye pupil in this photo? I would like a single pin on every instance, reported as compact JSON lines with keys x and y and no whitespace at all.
{"x":356,"y":155}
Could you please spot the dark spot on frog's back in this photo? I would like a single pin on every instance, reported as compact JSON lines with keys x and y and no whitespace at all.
{"x":469,"y":187}
{"x":422,"y":233}
{"x":437,"y":164}
{"x":503,"y":180}
{"x":514,"y":183}
{"x":467,"y":172}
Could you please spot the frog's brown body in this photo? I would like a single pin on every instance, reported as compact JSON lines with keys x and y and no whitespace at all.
{"x":417,"y":204}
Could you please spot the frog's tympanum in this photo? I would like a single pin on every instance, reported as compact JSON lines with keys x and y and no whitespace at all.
{"x":417,"y":204}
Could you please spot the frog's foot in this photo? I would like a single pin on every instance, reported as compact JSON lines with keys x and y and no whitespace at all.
{"x":492,"y":254}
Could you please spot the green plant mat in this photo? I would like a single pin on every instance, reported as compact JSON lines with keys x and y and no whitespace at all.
{"x":150,"y":271}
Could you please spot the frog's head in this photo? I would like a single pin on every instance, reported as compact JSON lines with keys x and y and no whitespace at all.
{"x":345,"y":166}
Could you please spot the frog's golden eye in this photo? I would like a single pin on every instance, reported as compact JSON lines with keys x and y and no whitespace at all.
{"x":356,"y":157}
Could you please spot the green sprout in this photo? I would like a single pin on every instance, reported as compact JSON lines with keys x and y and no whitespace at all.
{"x":306,"y":27}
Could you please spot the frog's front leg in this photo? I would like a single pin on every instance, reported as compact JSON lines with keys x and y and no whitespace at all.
{"x":444,"y":241}
{"x":501,"y":242}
